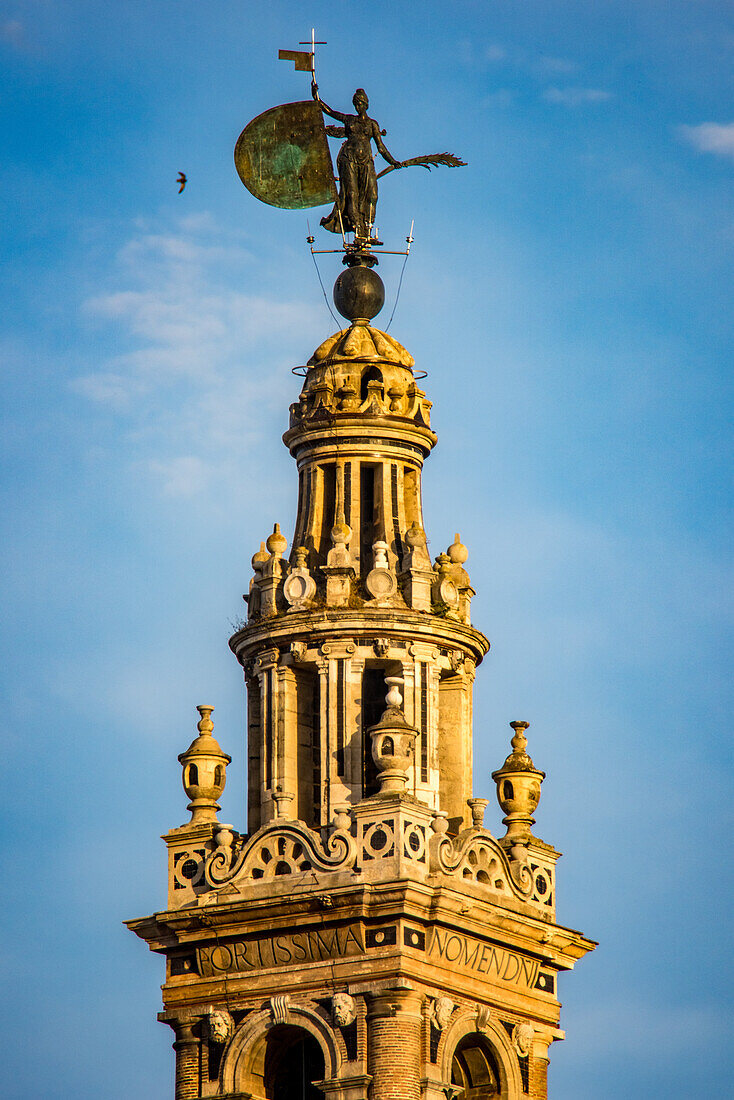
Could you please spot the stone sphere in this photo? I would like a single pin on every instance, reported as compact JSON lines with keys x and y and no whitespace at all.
{"x":359,"y":293}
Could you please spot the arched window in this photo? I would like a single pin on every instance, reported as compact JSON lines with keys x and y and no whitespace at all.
{"x":474,"y":1068}
{"x":193,"y":780}
{"x":293,"y":1061}
{"x":373,"y":374}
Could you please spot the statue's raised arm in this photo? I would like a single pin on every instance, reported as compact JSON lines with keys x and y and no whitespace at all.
{"x":324,"y":106}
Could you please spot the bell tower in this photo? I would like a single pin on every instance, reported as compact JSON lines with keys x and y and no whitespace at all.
{"x":362,"y":934}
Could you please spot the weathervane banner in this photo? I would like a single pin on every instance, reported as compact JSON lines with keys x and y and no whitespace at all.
{"x":283,"y":157}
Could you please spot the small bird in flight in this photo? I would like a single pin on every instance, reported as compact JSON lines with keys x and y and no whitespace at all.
{"x":182,"y":180}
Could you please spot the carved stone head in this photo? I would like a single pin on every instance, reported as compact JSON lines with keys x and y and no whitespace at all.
{"x":343,"y":1009}
{"x":221,"y":1026}
{"x":522,"y":1039}
{"x":441,"y":1012}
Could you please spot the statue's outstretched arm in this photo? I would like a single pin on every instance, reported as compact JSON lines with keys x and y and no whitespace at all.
{"x":324,"y":106}
{"x":382,"y":148}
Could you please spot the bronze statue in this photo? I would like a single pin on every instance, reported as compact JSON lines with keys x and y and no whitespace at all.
{"x":283,"y":159}
{"x":354,"y":209}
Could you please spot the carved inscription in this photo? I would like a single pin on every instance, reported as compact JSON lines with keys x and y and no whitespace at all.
{"x":484,"y":958}
{"x":241,"y":956}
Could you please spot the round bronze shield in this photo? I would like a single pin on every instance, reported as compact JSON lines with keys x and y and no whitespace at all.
{"x":283,"y":157}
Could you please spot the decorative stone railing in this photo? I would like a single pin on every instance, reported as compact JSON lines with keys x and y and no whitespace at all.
{"x":388,"y":838}
{"x":279,"y":848}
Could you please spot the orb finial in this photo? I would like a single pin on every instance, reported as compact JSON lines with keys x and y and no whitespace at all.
{"x":359,"y":293}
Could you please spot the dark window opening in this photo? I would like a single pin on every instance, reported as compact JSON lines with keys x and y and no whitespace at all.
{"x":293,"y":1061}
{"x":374,"y":690}
{"x":507,"y":789}
{"x":193,"y":780}
{"x":368,"y":526}
{"x":474,"y":1068}
{"x":328,"y":515}
{"x":371,"y":375}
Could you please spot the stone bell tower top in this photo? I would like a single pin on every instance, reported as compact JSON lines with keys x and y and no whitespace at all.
{"x":358,"y":600}
{"x":365,"y":934}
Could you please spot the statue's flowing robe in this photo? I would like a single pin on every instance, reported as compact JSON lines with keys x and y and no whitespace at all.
{"x":357,"y":198}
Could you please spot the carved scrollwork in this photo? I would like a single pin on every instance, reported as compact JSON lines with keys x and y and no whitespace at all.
{"x":279,"y":1008}
{"x":283,"y":849}
{"x":475,"y":856}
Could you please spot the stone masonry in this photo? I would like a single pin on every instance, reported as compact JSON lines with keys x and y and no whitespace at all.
{"x":365,"y":935}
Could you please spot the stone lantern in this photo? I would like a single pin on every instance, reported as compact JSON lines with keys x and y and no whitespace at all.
{"x":518,"y":792}
{"x":392,"y":741}
{"x":204,"y":771}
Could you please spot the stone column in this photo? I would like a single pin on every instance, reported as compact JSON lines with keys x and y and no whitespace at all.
{"x":394,"y":1061}
{"x":288,"y":734}
{"x":187,"y":1060}
{"x":269,"y":754}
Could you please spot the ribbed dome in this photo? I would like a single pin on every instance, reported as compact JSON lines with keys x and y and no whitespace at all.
{"x":362,"y":342}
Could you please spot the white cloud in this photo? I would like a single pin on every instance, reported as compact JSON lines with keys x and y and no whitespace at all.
{"x":556,"y":65}
{"x":495,"y":53}
{"x":185,"y":476}
{"x":188,"y":379}
{"x":502,"y":98}
{"x":575,"y":97}
{"x":12,"y":31}
{"x":711,"y":137}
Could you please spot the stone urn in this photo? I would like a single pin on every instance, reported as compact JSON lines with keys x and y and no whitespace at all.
{"x":392,"y":741}
{"x":518,"y":792}
{"x":204,"y":771}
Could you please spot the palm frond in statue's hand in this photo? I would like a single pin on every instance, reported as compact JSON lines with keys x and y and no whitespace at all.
{"x":429,"y":161}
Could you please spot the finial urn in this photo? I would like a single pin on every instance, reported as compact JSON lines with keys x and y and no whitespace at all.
{"x":518,"y":791}
{"x":392,"y":741}
{"x":204,"y":771}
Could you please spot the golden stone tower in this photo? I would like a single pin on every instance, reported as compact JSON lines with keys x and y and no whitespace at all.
{"x":366,"y":935}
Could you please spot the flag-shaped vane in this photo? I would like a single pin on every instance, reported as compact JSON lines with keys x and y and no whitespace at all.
{"x":303,"y":61}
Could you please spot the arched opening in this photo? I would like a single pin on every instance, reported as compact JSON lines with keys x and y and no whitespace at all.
{"x":474,"y":1069}
{"x":373,"y":374}
{"x":293,"y":1061}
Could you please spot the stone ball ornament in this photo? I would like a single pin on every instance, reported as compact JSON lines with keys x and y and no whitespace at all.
{"x":204,"y":771}
{"x":359,"y":294}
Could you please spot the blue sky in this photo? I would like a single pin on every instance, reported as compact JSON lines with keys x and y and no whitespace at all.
{"x":569,"y":293}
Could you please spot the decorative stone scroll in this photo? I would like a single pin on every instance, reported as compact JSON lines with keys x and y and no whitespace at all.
{"x":279,"y":1007}
{"x":282,"y":848}
{"x":475,"y":856}
{"x":484,"y":1016}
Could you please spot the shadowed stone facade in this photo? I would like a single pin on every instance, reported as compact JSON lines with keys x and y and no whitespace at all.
{"x":366,"y":935}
